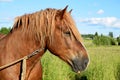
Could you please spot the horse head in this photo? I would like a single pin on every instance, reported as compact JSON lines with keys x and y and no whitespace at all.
{"x":66,"y":42}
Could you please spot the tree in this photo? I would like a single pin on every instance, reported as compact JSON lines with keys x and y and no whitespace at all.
{"x":88,"y":36}
{"x":96,"y":34}
{"x":104,"y":40}
{"x":5,"y":30}
{"x":111,"y":34}
{"x":118,"y":40}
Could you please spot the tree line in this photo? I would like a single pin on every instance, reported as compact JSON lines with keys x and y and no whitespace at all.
{"x":102,"y":39}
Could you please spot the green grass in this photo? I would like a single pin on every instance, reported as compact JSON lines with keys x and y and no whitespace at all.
{"x":55,"y":69}
{"x":104,"y":65}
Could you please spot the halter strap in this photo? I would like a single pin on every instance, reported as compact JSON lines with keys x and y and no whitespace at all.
{"x":34,"y":53}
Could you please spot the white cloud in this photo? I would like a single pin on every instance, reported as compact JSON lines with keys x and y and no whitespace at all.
{"x":106,"y":21}
{"x":6,"y":0}
{"x":7,"y":19}
{"x":101,"y":11}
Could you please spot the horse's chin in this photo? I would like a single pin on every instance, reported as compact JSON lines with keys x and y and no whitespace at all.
{"x":76,"y":70}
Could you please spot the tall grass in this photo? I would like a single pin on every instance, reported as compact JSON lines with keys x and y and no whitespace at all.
{"x":104,"y":65}
{"x":55,"y":69}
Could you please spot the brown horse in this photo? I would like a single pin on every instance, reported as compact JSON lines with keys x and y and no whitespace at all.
{"x":50,"y":29}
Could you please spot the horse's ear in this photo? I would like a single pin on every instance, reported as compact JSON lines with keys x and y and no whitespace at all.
{"x":63,"y":12}
{"x":70,"y":11}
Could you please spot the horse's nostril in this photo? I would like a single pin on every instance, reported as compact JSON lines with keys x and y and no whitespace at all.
{"x":86,"y":62}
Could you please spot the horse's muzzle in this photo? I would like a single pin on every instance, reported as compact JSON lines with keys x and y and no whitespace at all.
{"x":79,"y":65}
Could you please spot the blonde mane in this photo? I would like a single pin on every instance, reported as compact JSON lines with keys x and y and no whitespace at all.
{"x":42,"y":24}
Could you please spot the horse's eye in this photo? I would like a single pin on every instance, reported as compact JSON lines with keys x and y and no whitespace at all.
{"x":67,"y":33}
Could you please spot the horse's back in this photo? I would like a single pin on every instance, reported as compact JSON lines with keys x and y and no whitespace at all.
{"x":3,"y":44}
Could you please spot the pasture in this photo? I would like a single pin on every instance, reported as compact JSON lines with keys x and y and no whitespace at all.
{"x":104,"y":65}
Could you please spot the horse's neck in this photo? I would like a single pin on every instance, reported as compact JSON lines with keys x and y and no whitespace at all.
{"x":14,"y":46}
{"x":19,"y":46}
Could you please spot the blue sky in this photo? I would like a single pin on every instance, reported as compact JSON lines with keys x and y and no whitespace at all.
{"x":102,"y":16}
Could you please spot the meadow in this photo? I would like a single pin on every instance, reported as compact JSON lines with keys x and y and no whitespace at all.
{"x":104,"y":65}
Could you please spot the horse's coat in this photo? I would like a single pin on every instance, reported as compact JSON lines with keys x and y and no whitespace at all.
{"x":2,"y":35}
{"x":51,"y":29}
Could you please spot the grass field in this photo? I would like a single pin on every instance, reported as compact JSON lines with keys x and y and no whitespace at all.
{"x":104,"y":65}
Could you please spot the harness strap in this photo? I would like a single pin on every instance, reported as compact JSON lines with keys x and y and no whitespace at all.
{"x":23,"y":69}
{"x":23,"y":74}
{"x":10,"y":64}
{"x":23,"y":63}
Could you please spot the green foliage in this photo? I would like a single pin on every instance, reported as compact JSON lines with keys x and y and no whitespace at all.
{"x":5,"y":30}
{"x":88,"y":36}
{"x":117,"y":71}
{"x":118,"y":40}
{"x":104,"y":63}
{"x":104,"y":40}
{"x":111,"y":34}
{"x":113,"y":41}
{"x":96,"y":34}
{"x":55,"y":69}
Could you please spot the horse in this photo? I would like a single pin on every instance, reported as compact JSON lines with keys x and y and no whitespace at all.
{"x":51,"y":29}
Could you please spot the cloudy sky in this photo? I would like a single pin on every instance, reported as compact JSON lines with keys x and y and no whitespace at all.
{"x":102,"y":16}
